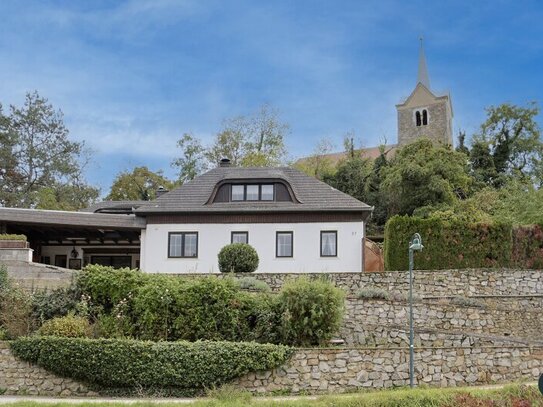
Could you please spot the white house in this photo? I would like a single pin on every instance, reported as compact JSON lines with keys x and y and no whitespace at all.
{"x":295,"y":222}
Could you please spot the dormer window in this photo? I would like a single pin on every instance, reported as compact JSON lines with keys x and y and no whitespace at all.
{"x":421,"y":117}
{"x":263,"y":191}
{"x":252,"y":192}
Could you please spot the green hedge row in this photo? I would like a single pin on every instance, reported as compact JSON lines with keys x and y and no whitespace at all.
{"x":447,"y":244}
{"x":6,"y":236}
{"x":129,"y":364}
{"x":528,"y":247}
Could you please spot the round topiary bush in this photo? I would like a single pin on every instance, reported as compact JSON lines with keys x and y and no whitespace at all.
{"x":238,"y":258}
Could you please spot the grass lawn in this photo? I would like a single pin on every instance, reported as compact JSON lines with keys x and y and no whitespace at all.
{"x":510,"y":396}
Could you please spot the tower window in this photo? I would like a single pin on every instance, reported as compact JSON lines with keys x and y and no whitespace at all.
{"x":421,"y":117}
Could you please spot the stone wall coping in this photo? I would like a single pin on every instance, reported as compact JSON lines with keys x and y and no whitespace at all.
{"x":301,"y":273}
{"x":420,"y":348}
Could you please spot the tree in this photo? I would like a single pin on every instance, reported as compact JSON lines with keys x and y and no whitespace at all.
{"x":462,"y":148}
{"x":375,"y":195}
{"x":192,"y":160}
{"x":319,"y":164}
{"x":257,"y":140}
{"x":482,"y":165}
{"x":351,"y":176}
{"x":423,"y":174}
{"x":514,"y":139}
{"x":66,"y":197}
{"x":138,"y":184}
{"x":40,"y":154}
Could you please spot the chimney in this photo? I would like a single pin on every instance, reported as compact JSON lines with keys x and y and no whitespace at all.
{"x":225,"y":162}
{"x":161,"y":191}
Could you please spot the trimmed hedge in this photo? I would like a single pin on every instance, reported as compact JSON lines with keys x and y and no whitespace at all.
{"x":122,"y":364}
{"x":528,"y":247}
{"x":6,"y":236}
{"x":238,"y":258}
{"x":447,"y":244}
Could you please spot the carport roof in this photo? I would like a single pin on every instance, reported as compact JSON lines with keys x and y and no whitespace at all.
{"x":70,"y":219}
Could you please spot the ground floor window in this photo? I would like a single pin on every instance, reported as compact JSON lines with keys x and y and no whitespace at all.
{"x":183,"y":244}
{"x":284,"y":244}
{"x":329,"y":243}
{"x":240,"y":237}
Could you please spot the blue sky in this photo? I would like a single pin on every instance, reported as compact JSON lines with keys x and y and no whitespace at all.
{"x":132,"y":76}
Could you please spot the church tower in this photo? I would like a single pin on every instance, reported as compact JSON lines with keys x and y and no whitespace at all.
{"x":425,"y":113}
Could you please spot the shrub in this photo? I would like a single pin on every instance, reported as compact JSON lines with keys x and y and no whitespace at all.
{"x":213,"y":309}
{"x":373,"y":293}
{"x":238,"y":258}
{"x":107,"y":286}
{"x":68,"y":326}
{"x":5,"y":236}
{"x":15,"y":308}
{"x":251,"y":283}
{"x":448,"y":244}
{"x":112,"y":363}
{"x":56,"y":303}
{"x":311,"y":311}
{"x":156,"y":305}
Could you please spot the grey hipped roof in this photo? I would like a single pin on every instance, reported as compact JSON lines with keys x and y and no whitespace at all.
{"x":312,"y":195}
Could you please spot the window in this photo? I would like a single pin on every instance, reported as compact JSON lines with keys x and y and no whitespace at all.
{"x":421,"y":117}
{"x":238,"y":192}
{"x":284,"y":244}
{"x":252,"y":192}
{"x":266,"y":193}
{"x":61,"y":260}
{"x":183,"y":244}
{"x":425,"y":117}
{"x":329,"y":243}
{"x":240,"y":237}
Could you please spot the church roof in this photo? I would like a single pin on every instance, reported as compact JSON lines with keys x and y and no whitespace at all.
{"x":423,"y":76}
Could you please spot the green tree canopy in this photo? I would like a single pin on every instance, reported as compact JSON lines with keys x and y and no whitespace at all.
{"x":422,"y":174}
{"x":251,"y":141}
{"x":36,"y":153}
{"x":514,"y":140}
{"x":138,"y":184}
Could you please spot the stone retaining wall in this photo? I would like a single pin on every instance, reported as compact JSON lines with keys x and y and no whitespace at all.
{"x":494,"y":282}
{"x":329,"y":370}
{"x":22,"y":378}
{"x":341,"y":370}
{"x":363,"y":316}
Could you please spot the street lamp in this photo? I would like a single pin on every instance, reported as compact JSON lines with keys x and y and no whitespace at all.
{"x":414,"y":244}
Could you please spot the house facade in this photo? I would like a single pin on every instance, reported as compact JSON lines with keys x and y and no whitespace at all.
{"x":295,"y":223}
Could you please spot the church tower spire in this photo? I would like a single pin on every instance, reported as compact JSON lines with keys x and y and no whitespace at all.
{"x":425,"y":113}
{"x":423,"y":70}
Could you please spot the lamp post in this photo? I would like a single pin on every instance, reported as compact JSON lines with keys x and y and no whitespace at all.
{"x":414,"y":244}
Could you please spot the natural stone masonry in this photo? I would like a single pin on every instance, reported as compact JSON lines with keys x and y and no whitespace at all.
{"x":329,"y":370}
{"x":18,"y":377}
{"x":471,"y":282}
{"x":341,"y":370}
{"x":363,"y":316}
